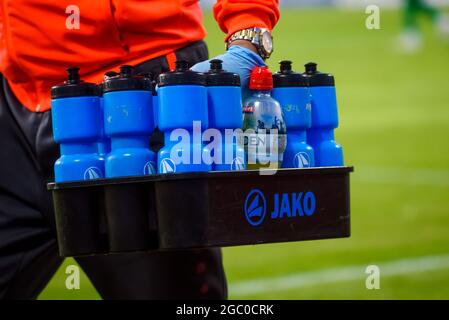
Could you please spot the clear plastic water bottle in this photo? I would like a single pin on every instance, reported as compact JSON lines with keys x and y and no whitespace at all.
{"x":264,"y":128}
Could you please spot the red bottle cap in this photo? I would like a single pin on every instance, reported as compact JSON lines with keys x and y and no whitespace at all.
{"x":261,"y":79}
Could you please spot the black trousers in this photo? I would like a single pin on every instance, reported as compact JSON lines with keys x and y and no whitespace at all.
{"x":28,"y":248}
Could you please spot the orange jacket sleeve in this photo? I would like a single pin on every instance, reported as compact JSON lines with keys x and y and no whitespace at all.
{"x":235,"y":15}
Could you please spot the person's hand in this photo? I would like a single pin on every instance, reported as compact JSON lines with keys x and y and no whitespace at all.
{"x":237,"y":59}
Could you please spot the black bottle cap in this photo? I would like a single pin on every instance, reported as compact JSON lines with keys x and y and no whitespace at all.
{"x":125,"y":80}
{"x":216,"y":76}
{"x":285,"y":77}
{"x":73,"y":86}
{"x":107,"y":75}
{"x":181,"y":75}
{"x":316,"y":78}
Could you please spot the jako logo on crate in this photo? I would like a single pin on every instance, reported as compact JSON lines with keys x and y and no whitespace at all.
{"x":255,"y":207}
{"x":285,"y":205}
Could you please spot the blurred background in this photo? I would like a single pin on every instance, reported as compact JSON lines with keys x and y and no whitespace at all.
{"x":393,"y":94}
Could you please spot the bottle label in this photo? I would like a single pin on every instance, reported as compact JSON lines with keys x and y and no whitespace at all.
{"x":248,"y":109}
{"x":264,"y":136}
{"x":264,"y":149}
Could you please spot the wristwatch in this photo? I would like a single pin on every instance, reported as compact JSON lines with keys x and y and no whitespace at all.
{"x":260,"y":37}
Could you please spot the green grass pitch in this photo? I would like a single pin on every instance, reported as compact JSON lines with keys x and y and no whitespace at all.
{"x":394,"y":128}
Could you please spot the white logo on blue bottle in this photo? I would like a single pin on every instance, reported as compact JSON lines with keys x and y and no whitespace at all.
{"x":167,"y":165}
{"x":149,"y":168}
{"x":92,"y":173}
{"x":238,"y":164}
{"x":301,"y":160}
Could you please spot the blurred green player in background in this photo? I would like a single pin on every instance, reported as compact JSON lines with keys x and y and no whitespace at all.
{"x":411,"y":39}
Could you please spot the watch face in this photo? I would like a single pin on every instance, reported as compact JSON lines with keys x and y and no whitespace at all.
{"x":267,"y":42}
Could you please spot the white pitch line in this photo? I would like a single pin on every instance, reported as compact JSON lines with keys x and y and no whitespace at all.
{"x":347,"y":273}
{"x":408,"y":176}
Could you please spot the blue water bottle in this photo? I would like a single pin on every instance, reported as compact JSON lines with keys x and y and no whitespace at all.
{"x":183,"y":116}
{"x":291,"y":90}
{"x":224,"y":97}
{"x":76,"y":117}
{"x":128,"y":122}
{"x":324,"y":118}
{"x":104,"y":143}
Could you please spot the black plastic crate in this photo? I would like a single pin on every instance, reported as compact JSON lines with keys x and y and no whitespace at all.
{"x":195,"y":210}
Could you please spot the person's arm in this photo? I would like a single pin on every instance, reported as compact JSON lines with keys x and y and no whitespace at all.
{"x":233,"y":16}
{"x":244,"y":44}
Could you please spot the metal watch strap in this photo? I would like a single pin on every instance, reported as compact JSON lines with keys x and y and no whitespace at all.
{"x":245,"y":34}
{"x":252,"y":35}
